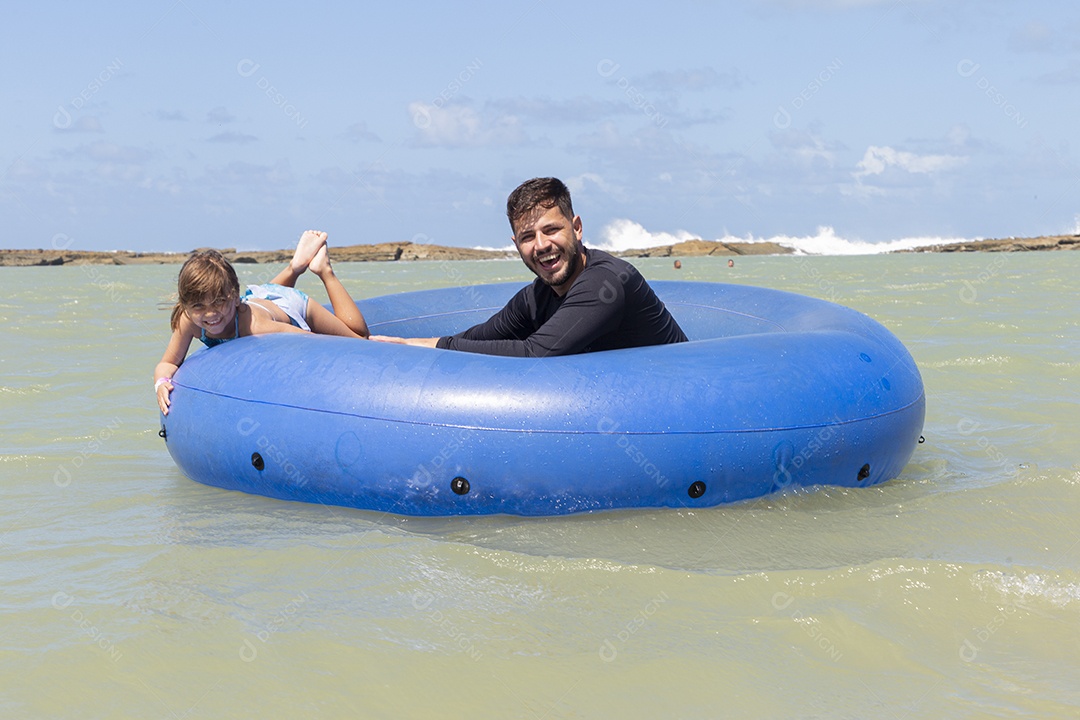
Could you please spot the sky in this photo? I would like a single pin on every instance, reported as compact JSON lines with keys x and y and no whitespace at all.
{"x":166,"y":125}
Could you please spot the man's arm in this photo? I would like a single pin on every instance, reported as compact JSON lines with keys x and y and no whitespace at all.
{"x":418,"y":342}
{"x":591,"y":309}
{"x":512,"y":322}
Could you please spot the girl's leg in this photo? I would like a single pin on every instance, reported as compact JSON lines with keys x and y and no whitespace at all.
{"x":345,"y":309}
{"x":323,"y":322}
{"x":306,"y":248}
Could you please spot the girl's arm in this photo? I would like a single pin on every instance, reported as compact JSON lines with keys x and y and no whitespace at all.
{"x":174,"y":356}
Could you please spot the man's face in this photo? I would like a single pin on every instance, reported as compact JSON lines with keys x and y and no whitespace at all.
{"x":550,"y":246}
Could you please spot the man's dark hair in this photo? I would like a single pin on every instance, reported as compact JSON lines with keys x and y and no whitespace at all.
{"x":543,"y":193}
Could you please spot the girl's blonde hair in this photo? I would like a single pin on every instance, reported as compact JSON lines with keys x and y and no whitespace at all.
{"x":205,"y":276}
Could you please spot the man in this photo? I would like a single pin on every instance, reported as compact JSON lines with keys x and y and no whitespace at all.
{"x":581,"y":301}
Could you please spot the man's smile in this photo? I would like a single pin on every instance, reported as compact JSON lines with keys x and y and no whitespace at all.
{"x":549,"y":261}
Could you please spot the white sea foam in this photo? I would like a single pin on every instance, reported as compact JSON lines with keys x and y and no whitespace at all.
{"x":623,"y":234}
{"x":1031,"y":585}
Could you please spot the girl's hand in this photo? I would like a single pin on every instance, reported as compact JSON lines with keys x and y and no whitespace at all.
{"x":163,"y":386}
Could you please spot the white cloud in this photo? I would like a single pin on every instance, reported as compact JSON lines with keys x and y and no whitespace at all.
{"x":460,"y":125}
{"x":171,"y":115}
{"x":85,"y":124}
{"x":578,"y":109}
{"x":877,"y":160}
{"x":359,"y":131}
{"x":219,"y":116}
{"x":108,"y":152}
{"x":251,"y":175}
{"x":803,"y":147}
{"x":577,"y":185}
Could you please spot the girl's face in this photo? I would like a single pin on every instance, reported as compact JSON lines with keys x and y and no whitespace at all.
{"x":215,"y":316}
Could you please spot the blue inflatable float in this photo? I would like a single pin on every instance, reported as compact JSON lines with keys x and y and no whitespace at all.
{"x":773,"y":390}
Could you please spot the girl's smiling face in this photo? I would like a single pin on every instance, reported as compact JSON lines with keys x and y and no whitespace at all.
{"x":215,"y":316}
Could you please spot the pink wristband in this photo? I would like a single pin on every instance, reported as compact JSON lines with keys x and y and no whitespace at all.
{"x":160,"y":381}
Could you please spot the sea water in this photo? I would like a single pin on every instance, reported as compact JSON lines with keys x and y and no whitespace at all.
{"x":952,"y":591}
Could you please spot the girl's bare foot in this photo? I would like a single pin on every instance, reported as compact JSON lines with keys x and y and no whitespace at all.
{"x":321,"y":262}
{"x":309,"y":245}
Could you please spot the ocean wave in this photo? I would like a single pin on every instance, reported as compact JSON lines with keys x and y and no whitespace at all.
{"x":623,"y":234}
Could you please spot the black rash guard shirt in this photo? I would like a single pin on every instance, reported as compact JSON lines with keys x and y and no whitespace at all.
{"x":609,"y":306}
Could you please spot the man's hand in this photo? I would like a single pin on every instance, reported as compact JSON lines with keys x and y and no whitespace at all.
{"x":418,"y":342}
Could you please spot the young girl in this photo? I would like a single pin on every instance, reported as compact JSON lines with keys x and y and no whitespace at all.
{"x":211,"y":309}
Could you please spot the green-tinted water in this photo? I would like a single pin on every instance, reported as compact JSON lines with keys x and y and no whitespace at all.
{"x":953,"y":591}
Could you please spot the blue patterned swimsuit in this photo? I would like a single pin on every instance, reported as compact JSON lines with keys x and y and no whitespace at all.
{"x":290,"y":300}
